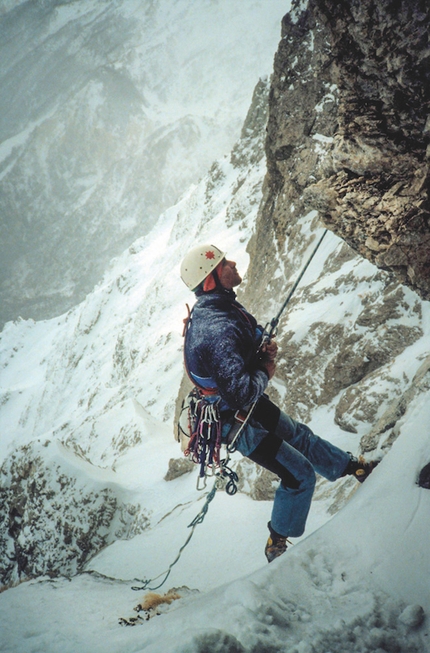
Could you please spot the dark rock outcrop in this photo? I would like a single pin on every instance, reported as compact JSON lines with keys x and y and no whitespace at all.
{"x":350,"y":105}
{"x":377,"y":198}
{"x":424,"y":477}
{"x":346,"y":146}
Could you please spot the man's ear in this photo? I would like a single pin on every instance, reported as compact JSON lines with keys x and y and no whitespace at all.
{"x":209,"y":283}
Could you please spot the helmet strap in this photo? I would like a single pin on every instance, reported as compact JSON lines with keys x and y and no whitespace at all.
{"x":212,"y":281}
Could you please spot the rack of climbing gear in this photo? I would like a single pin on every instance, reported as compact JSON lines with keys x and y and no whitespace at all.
{"x":205,"y":441}
{"x":200,"y":421}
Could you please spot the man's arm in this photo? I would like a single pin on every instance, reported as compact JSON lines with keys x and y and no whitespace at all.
{"x":233,"y":365}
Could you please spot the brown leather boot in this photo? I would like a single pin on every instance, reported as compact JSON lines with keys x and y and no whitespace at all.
{"x":360,"y":468}
{"x":276,"y":545}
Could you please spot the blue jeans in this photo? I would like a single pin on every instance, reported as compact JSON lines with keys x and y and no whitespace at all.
{"x":295,"y":453}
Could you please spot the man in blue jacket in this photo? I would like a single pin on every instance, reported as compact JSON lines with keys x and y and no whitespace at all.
{"x":223,"y":360}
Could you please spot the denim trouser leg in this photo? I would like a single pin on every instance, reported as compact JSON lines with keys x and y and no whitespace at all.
{"x":291,"y":504}
{"x":302,"y":453}
{"x":326,"y":459}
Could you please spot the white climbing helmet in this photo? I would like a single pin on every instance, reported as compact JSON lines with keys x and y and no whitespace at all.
{"x":198,"y":263}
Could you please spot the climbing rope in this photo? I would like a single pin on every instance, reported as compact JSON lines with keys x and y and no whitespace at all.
{"x":271,"y":327}
{"x":198,"y":519}
{"x":270,"y":332}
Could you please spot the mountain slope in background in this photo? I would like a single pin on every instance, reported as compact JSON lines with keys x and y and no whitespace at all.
{"x":108,"y":112}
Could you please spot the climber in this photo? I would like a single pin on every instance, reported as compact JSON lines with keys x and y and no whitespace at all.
{"x":223,"y":360}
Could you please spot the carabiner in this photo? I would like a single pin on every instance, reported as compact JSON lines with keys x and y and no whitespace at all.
{"x":201,"y":487}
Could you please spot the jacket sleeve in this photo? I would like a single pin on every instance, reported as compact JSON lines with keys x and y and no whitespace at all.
{"x":231,"y":359}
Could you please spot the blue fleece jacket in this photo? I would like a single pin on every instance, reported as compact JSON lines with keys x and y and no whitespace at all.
{"x":220,"y":349}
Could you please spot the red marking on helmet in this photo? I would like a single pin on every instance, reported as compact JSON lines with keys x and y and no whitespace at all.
{"x":210,"y":254}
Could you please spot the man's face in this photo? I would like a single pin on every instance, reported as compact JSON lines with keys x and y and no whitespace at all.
{"x":229,"y":276}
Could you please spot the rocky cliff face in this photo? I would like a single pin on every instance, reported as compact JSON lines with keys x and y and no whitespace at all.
{"x":39,"y":536}
{"x":347,"y":148}
{"x":358,"y":87}
{"x":377,"y":198}
{"x":373,"y":190}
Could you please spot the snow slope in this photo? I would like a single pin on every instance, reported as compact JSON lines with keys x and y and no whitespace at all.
{"x":360,"y":583}
{"x":99,"y":397}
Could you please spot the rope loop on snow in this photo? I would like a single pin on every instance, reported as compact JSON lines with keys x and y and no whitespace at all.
{"x":198,"y":519}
